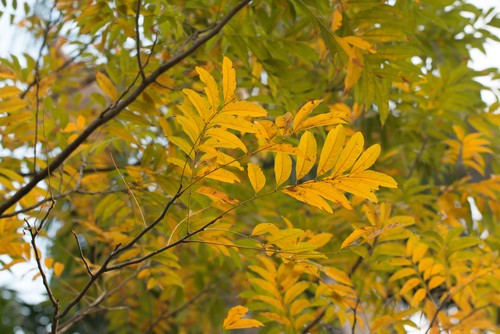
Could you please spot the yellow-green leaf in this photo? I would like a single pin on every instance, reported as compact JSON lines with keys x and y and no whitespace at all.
{"x":308,"y":146}
{"x":233,"y":319}
{"x":295,"y":291}
{"x":107,"y":86}
{"x":228,"y":79}
{"x":331,"y":149}
{"x":349,"y":154}
{"x":264,"y":228}
{"x":256,"y":176}
{"x":183,"y":145}
{"x":282,"y":168}
{"x":285,"y":237}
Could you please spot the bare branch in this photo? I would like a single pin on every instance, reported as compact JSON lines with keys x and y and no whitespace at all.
{"x":81,"y":254}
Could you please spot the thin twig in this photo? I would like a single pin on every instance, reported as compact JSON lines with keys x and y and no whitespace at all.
{"x":129,"y":190}
{"x":138,"y":40}
{"x":176,"y":311}
{"x":81,"y":254}
{"x":315,"y":321}
{"x":34,"y":231}
{"x":113,"y":111}
{"x":37,"y":83}
{"x":93,"y":307}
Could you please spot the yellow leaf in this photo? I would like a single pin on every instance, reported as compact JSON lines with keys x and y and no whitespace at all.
{"x":308,"y":146}
{"x":319,"y":240}
{"x":218,"y":174}
{"x":355,"y":235}
{"x":244,"y":108}
{"x":330,"y":118}
{"x":58,"y":268}
{"x":12,"y":104}
{"x":294,"y":292}
{"x":199,"y":104}
{"x":216,"y":195}
{"x":404,"y":272}
{"x":354,"y":69}
{"x":419,"y":252}
{"x":286,"y":237}
{"x":282,"y":148}
{"x":190,"y":128}
{"x":367,"y":159}
{"x":360,"y":43}
{"x":329,"y":192}
{"x":304,"y":112}
{"x":282,"y":168}
{"x":283,"y":123}
{"x":299,"y":305}
{"x":271,"y":301}
{"x":375,"y":179}
{"x":212,"y":91}
{"x":276,"y":317}
{"x":355,"y":187}
{"x":331,"y":149}
{"x":107,"y":86}
{"x":223,"y":138}
{"x":228,"y":79}
{"x":338,"y":275}
{"x":409,"y":285}
{"x":264,"y":228}
{"x":183,"y":145}
{"x":49,"y":262}
{"x":266,"y":129}
{"x":256,"y":176}
{"x":349,"y":154}
{"x":233,"y":122}
{"x":307,"y":196}
{"x":418,"y":297}
{"x":435,"y":282}
{"x":337,"y":19}
{"x":7,"y":91}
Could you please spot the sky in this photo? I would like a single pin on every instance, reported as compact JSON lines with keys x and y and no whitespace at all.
{"x":14,"y":41}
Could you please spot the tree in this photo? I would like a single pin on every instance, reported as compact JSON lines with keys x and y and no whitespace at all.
{"x":190,"y":162}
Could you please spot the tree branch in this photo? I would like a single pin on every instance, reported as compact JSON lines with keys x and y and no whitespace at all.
{"x":113,"y":111}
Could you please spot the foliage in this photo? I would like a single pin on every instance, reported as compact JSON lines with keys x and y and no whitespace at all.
{"x":207,"y":165}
